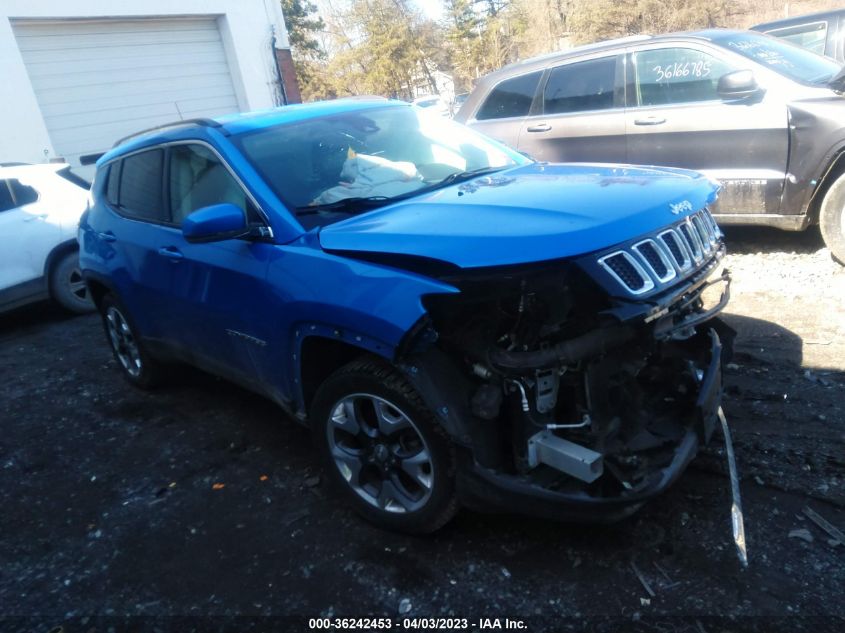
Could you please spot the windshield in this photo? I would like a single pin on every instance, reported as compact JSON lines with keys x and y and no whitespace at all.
{"x":370,"y":156}
{"x":787,"y":59}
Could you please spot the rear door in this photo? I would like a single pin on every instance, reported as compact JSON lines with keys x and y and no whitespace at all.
{"x":27,"y":233}
{"x":676,"y":118}
{"x":132,"y":236}
{"x":581,"y":115}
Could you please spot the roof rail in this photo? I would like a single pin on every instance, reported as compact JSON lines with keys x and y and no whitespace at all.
{"x":202,"y":122}
{"x":14,"y":164}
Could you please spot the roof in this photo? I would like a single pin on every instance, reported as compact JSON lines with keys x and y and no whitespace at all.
{"x":541,"y":61}
{"x":239,"y":123}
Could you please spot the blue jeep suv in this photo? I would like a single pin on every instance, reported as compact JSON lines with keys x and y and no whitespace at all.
{"x":458,"y":324}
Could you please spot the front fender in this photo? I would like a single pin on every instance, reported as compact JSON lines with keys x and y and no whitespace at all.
{"x":363,"y":304}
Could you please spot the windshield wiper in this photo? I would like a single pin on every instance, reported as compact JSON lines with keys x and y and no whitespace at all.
{"x":347,"y":205}
{"x":460,"y":176}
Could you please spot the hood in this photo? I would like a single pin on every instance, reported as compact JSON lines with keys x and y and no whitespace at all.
{"x":527,"y":214}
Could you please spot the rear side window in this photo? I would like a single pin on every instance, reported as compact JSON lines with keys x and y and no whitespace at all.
{"x":113,"y":183}
{"x":510,"y":98}
{"x":6,"y":200}
{"x":582,"y":86}
{"x":22,"y":194}
{"x":140,"y":186}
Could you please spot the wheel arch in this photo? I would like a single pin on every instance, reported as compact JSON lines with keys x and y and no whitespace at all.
{"x":59,"y":251}
{"x":319,"y":357}
{"x":98,"y":286}
{"x":834,"y":171}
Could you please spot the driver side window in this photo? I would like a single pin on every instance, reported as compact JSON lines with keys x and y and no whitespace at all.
{"x":666,"y":76}
{"x":198,"y":179}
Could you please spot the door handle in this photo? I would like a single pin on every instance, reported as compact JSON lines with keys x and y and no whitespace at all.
{"x":650,"y":120}
{"x":107,"y":236}
{"x":32,"y":218}
{"x":171,"y":253}
{"x":540,"y":127}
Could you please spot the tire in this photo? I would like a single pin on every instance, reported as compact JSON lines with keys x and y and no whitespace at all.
{"x":135,"y":362}
{"x":383,"y":448}
{"x":67,"y":287}
{"x":832,"y":219}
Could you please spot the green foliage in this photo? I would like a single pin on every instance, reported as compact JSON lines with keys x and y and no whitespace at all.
{"x":605,"y":19}
{"x":388,"y":47}
{"x":303,"y":24}
{"x":382,"y":47}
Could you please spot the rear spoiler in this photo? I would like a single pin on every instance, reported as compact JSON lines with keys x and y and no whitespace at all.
{"x":90,"y":159}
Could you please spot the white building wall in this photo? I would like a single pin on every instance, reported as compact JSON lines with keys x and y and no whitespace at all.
{"x":247,"y":28}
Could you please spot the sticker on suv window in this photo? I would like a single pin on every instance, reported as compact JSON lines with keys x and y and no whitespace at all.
{"x":681,"y":70}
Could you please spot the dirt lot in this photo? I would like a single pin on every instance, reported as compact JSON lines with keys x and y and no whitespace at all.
{"x":110,"y":508}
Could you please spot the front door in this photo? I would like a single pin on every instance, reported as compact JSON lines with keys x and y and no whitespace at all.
{"x":218,"y":289}
{"x":676,"y":118}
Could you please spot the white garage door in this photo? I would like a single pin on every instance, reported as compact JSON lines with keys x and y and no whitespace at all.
{"x":97,"y":81}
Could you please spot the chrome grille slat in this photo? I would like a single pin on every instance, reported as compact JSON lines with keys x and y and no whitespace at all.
{"x":656,"y":261}
{"x":680,"y":253}
{"x":627,"y":271}
{"x":693,"y":243}
{"x":703,"y":236}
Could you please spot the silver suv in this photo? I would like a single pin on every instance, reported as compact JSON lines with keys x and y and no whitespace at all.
{"x":764,"y":117}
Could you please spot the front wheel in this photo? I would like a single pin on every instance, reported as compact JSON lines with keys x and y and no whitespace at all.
{"x":384,"y":449}
{"x":832,"y":219}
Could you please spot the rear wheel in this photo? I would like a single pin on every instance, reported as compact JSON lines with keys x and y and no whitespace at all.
{"x":832,"y":219}
{"x":67,"y":287}
{"x":135,"y":362}
{"x":383,"y":448}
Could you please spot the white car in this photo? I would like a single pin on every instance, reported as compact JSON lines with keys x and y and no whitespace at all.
{"x":434,"y":104}
{"x":40,"y":206}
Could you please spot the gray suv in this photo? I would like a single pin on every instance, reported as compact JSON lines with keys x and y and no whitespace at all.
{"x":763,"y":117}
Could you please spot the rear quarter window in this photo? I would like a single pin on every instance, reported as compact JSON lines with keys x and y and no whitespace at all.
{"x":113,"y":183}
{"x":510,"y":98}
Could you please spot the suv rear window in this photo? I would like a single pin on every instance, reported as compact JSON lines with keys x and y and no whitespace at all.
{"x":582,"y":86}
{"x":510,"y":98}
{"x":140,"y":186}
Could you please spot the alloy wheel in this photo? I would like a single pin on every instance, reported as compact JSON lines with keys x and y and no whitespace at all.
{"x":123,"y":342}
{"x":380,"y":453}
{"x":78,"y":288}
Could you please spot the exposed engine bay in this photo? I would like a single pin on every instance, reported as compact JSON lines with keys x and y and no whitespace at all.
{"x":576,"y":391}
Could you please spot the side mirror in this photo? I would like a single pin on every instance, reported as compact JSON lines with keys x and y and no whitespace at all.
{"x":737,"y":85}
{"x":215,"y":223}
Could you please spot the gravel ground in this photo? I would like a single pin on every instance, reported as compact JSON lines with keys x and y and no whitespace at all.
{"x":203,"y":500}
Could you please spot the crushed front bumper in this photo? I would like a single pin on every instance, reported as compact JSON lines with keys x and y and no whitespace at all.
{"x":488,"y":490}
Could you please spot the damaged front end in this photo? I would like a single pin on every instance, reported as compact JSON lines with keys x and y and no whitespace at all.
{"x":581,"y":388}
